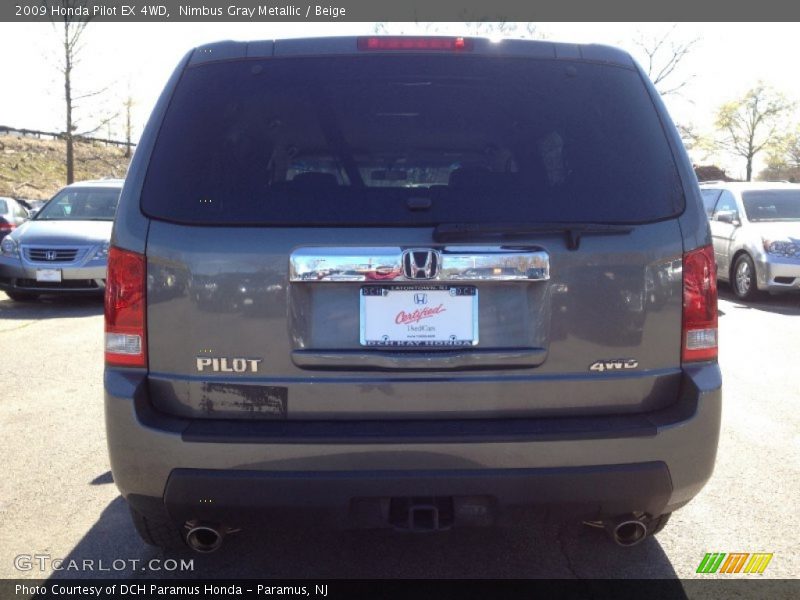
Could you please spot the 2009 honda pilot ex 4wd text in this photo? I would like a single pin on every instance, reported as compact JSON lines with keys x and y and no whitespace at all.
{"x":409,"y":282}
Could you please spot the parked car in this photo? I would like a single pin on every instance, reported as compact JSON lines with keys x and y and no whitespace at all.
{"x":542,"y":336}
{"x":64,"y":248}
{"x":32,"y":206}
{"x":756,"y":232}
{"x":12,"y":215}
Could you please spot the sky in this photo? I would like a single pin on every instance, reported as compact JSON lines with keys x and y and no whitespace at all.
{"x":137,"y":58}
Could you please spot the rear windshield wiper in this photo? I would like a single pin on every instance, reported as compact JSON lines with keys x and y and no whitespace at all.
{"x":467,"y":232}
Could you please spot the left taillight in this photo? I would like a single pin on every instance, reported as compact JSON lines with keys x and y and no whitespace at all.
{"x":125,"y":341}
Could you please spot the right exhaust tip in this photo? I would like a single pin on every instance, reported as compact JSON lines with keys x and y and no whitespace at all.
{"x":627,"y":532}
{"x":204,"y":539}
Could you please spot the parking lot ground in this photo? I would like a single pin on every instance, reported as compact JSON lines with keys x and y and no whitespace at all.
{"x":57,"y":497}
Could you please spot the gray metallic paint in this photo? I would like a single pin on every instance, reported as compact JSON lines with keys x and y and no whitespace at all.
{"x":143,"y":456}
{"x":596,"y":295}
{"x":572,"y":316}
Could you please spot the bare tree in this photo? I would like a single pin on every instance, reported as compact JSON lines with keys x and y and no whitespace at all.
{"x":70,"y":28}
{"x":73,"y":28}
{"x":663,"y":56}
{"x":689,"y":135}
{"x":128,"y":104}
{"x":752,"y":124}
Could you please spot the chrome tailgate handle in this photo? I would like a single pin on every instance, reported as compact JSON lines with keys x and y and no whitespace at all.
{"x":450,"y":263}
{"x":494,"y":264}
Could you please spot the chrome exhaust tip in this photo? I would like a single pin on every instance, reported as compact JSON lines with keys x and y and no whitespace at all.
{"x":204,"y":539}
{"x":627,"y":531}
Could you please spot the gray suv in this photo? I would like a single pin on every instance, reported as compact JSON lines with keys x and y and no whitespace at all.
{"x":409,"y":282}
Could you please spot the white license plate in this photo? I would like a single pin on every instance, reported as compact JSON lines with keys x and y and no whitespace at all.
{"x":444,"y":316}
{"x":48,"y":274}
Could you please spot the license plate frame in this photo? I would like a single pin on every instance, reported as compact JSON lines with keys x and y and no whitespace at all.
{"x":49,"y":275}
{"x":418,"y":327}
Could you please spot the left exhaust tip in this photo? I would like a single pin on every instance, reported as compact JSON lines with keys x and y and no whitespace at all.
{"x":204,"y":539}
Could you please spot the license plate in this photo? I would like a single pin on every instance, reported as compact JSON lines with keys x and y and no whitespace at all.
{"x":48,"y":275}
{"x":441,"y":316}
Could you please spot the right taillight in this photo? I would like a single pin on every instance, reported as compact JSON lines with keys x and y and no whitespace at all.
{"x":125,"y":342}
{"x":699,"y":305}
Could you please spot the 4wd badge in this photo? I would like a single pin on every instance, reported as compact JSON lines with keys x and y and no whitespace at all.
{"x":615,"y":364}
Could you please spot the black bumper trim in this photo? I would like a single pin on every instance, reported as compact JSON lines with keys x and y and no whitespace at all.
{"x":418,"y":431}
{"x":593,"y":491}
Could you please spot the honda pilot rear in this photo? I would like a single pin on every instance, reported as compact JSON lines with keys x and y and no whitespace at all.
{"x":413,"y":283}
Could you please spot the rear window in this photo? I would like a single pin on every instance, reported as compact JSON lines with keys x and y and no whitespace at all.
{"x":405,"y":140}
{"x":3,"y":207}
{"x":772,"y":205}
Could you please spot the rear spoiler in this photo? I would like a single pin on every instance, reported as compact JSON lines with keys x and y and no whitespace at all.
{"x":343,"y":46}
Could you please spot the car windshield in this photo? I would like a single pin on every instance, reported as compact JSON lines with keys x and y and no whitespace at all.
{"x":772,"y":205}
{"x":81,"y":204}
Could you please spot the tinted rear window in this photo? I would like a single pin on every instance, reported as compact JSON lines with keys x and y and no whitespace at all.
{"x":357,"y":140}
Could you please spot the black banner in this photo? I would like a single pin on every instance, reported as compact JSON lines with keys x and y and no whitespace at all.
{"x":395,"y":10}
{"x":651,"y":589}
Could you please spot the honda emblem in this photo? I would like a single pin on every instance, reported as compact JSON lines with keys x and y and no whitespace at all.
{"x":420,"y":264}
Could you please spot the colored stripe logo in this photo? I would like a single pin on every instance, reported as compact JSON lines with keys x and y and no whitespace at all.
{"x":734,"y":562}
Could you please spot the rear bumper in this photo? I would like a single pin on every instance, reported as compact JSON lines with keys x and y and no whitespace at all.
{"x":362,"y":498}
{"x":593,"y":467}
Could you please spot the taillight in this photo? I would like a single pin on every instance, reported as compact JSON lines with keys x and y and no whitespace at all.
{"x":699,"y":305}
{"x":400,"y":43}
{"x":6,"y":226}
{"x":125,"y":305}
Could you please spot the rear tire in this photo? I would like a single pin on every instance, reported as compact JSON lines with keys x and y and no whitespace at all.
{"x":157,"y":531}
{"x":22,"y":296}
{"x":743,"y":278}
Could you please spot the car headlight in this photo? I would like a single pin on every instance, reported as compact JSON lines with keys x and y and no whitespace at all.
{"x":9,"y":247}
{"x":785,"y":248}
{"x":102,"y":253}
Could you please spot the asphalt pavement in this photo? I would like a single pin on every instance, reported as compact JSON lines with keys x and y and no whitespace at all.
{"x":58,"y":499}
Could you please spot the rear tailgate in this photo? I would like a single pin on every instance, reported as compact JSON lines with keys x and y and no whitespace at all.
{"x":601,"y":335}
{"x":297,"y":267}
